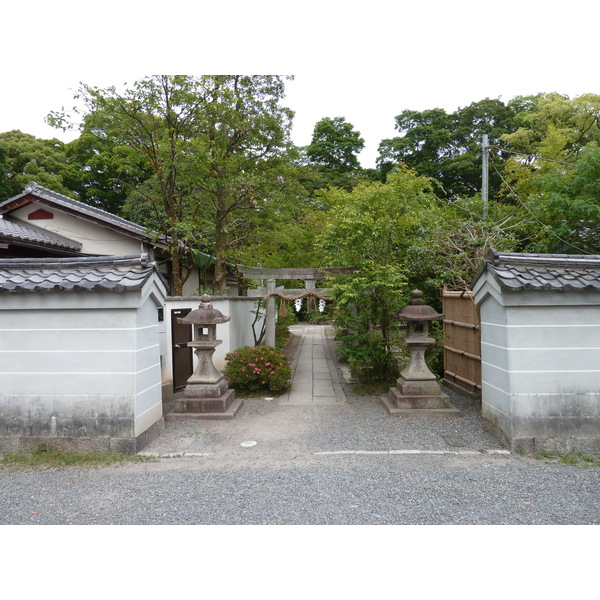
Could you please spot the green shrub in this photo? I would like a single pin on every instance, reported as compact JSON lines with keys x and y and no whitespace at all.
{"x":367,"y":356}
{"x":257,"y":369}
{"x":282,"y":332}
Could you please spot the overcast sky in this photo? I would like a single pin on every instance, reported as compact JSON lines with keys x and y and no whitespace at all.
{"x":366,"y":62}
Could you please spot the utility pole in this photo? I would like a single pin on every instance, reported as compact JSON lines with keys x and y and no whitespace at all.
{"x":484,"y":174}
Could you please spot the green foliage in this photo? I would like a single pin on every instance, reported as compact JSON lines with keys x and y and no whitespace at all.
{"x":335,"y":145}
{"x":216,"y":148}
{"x":447,"y":147}
{"x":372,"y":228}
{"x":368,"y":355}
{"x":554,"y":180}
{"x":48,"y":456}
{"x":332,"y":156}
{"x":104,"y":174}
{"x":552,"y":123}
{"x":566,"y":207}
{"x":27,"y":158}
{"x":257,"y":369}
{"x":575,"y":458}
{"x":454,"y":239}
{"x":5,"y":186}
{"x":330,"y":160}
{"x":289,"y":319}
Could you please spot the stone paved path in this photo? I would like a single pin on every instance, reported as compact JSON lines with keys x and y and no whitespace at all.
{"x":315,"y":380}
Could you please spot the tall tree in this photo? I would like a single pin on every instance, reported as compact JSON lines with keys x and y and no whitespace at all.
{"x":332,"y":155}
{"x":335,"y":144}
{"x":29,"y":158}
{"x":422,"y":143}
{"x":215,"y":146}
{"x":5,"y":187}
{"x":556,"y":118}
{"x":242,"y":158}
{"x":447,"y":147}
{"x":102,"y":176}
{"x":553,"y":174}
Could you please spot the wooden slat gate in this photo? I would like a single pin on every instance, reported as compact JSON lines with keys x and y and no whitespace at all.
{"x":462,"y":341}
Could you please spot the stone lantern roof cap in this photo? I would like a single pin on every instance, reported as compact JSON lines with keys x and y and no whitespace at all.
{"x":417,"y":310}
{"x":205,"y":314}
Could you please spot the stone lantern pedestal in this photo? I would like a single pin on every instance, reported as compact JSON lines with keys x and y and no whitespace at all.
{"x":417,"y":392}
{"x":206,"y":394}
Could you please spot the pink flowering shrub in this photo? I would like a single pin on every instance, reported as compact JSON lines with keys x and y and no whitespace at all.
{"x":257,"y":369}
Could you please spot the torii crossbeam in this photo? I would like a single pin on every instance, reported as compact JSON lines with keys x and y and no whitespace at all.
{"x":310,"y":276}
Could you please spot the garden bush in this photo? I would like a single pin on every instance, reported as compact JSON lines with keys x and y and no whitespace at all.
{"x":257,"y":369}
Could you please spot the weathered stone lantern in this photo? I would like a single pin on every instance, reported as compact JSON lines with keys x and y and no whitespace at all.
{"x":206,"y":394}
{"x":417,"y":393}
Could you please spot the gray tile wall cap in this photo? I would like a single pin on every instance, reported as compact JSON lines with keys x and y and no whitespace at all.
{"x":19,"y":231}
{"x":65,"y":201}
{"x":548,"y":272}
{"x":105,"y":273}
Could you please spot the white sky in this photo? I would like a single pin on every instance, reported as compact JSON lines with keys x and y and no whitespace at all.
{"x":366,"y":62}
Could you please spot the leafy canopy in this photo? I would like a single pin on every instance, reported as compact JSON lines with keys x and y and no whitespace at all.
{"x":215,"y":148}
{"x":372,"y":228}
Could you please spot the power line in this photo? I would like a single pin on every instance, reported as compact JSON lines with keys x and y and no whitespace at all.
{"x":523,"y":205}
{"x":534,"y":156}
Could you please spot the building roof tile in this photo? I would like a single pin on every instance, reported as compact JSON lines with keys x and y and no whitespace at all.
{"x":61,"y":200}
{"x":25,"y":233}
{"x":107,"y":273}
{"x":552,"y":272}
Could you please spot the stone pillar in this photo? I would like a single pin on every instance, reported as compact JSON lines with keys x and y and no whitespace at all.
{"x":310,"y":286}
{"x":271,"y":314}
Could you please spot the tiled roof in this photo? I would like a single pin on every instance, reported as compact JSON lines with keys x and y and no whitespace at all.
{"x":19,"y":231}
{"x":107,"y":273}
{"x":61,"y":200}
{"x":550,"y":272}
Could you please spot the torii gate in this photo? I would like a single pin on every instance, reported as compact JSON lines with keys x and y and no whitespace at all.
{"x":310,"y":277}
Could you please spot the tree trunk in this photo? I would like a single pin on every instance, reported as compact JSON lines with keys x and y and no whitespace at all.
{"x":220,"y":261}
{"x":221,"y":241}
{"x":176,"y":274}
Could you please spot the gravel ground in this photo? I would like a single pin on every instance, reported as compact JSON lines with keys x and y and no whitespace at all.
{"x":292,"y":475}
{"x":338,"y":491}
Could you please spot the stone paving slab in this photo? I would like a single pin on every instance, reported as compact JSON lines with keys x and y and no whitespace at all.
{"x":314,"y":374}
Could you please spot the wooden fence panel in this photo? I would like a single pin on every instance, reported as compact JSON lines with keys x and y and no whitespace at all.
{"x":462,"y":341}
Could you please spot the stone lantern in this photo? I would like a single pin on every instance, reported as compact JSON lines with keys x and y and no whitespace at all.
{"x":206,"y":394}
{"x":417,"y":393}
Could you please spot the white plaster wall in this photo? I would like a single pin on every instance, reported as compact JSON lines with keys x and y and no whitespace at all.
{"x":64,"y":373}
{"x":540,"y":362}
{"x":190,"y":287}
{"x":554,"y":357}
{"x":148,"y":394}
{"x":495,"y":375}
{"x":80,"y":364}
{"x":94,"y":238}
{"x":238,"y":330}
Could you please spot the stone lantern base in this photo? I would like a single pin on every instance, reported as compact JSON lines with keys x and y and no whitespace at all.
{"x":207,"y":394}
{"x":204,"y":405}
{"x":418,"y":399}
